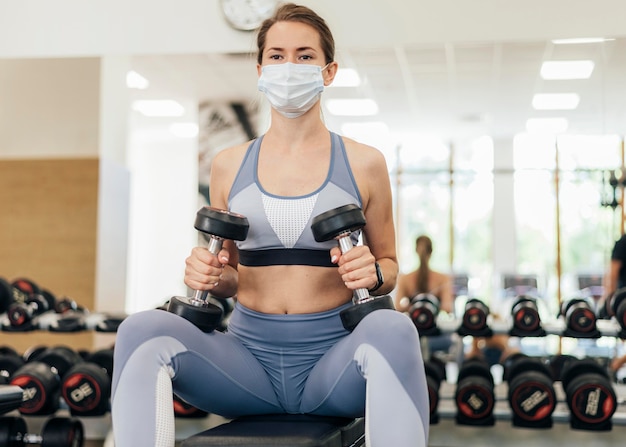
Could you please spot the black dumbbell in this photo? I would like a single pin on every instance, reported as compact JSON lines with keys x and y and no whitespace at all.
{"x":56,"y":432}
{"x":26,"y":285}
{"x":80,"y":319}
{"x":41,"y":379}
{"x":580,"y":318}
{"x":556,"y":363}
{"x":526,"y":318}
{"x":217,"y":225}
{"x":22,"y":315}
{"x":435,"y":374}
{"x":10,"y":361}
{"x":338,"y":224}
{"x":184,"y":410}
{"x":475,"y":319}
{"x":423,"y":310}
{"x":590,"y":396}
{"x":531,"y":393}
{"x":10,"y":294}
{"x":86,"y":387}
{"x":474,"y":395}
{"x":617,"y":307}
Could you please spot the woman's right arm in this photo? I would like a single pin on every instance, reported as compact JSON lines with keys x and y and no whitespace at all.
{"x":203,"y":270}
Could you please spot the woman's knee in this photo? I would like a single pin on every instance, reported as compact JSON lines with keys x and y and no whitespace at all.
{"x":387,"y":320}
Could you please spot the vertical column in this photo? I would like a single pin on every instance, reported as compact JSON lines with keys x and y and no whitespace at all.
{"x":114,"y":186}
{"x":504,"y":235}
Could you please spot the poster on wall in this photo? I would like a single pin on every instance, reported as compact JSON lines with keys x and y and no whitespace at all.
{"x":222,"y":125}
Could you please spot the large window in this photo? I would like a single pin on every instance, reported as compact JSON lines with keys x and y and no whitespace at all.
{"x":562,"y":230}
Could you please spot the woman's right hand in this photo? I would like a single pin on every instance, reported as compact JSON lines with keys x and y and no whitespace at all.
{"x":203,"y":270}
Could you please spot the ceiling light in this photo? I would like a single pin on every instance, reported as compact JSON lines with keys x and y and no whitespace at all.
{"x":184,"y":130}
{"x":346,"y":77}
{"x":352,"y":107}
{"x":166,"y":107}
{"x":566,"y":69}
{"x":546,"y":125}
{"x":135,"y":80}
{"x":556,"y":101}
{"x":580,"y":40}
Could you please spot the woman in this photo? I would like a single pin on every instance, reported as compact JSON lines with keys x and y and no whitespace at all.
{"x":424,"y":280}
{"x":285,"y":350}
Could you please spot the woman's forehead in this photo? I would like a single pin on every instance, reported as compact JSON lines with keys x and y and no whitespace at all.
{"x":290,"y":35}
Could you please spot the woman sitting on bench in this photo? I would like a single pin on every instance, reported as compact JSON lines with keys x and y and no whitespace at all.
{"x":285,"y":349}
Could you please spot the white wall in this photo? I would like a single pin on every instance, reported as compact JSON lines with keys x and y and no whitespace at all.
{"x":42,"y":28}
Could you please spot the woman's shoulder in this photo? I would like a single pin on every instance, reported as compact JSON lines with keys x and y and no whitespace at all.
{"x":231,"y":157}
{"x":365,"y":159}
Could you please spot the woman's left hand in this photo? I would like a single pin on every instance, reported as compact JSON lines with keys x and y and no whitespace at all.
{"x":356,"y":267}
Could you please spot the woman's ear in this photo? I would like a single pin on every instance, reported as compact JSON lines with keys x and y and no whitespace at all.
{"x":330,"y":73}
{"x":259,"y":68}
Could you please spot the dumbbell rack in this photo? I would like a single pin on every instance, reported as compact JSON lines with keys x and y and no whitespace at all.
{"x":446,"y":432}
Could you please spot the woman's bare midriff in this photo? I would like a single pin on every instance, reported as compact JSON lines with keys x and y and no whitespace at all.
{"x":291,"y":289}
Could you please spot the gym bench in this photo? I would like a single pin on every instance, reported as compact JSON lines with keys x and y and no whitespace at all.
{"x":286,"y":430}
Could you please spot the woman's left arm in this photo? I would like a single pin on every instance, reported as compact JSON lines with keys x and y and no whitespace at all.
{"x":357,"y":266}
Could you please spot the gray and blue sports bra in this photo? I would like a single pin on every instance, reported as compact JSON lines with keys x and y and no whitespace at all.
{"x":280,"y":227}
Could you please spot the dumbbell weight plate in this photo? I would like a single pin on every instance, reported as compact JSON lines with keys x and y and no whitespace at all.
{"x":12,"y":430}
{"x":221,"y":223}
{"x":474,"y":394}
{"x":328,"y":225}
{"x":590,"y":396}
{"x":86,"y":389}
{"x":531,"y":394}
{"x":40,"y":385}
{"x":62,"y":432}
{"x":526,"y":316}
{"x":424,"y":310}
{"x":435,"y":374}
{"x":26,"y":285}
{"x":351,"y":316}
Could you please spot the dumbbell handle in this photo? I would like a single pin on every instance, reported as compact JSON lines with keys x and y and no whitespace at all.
{"x":362,"y":295}
{"x":215,"y":245}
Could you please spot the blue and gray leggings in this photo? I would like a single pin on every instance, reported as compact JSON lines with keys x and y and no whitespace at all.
{"x":270,"y":364}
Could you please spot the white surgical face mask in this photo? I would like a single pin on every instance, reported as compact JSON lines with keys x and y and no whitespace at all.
{"x":292,"y":89}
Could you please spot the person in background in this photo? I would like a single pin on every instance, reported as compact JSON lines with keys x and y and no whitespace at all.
{"x":426,"y":280}
{"x":615,"y":277}
{"x":285,"y":349}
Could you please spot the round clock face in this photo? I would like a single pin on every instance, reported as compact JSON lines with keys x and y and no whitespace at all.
{"x":247,"y":15}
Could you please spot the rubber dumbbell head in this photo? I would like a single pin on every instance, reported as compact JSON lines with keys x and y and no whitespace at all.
{"x":216,"y":225}
{"x":435,"y":369}
{"x":10,"y":294}
{"x":26,"y":285}
{"x":56,"y":432}
{"x":339,"y":223}
{"x":590,"y":395}
{"x":423,"y":310}
{"x":86,"y":387}
{"x":41,"y":380}
{"x":182,"y":409}
{"x":580,"y":318}
{"x":10,"y":361}
{"x":525,"y":316}
{"x":475,"y":319}
{"x":23,"y":314}
{"x":474,"y":394}
{"x":531,"y":393}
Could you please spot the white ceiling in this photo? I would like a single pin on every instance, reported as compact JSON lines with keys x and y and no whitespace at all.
{"x":451,"y":89}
